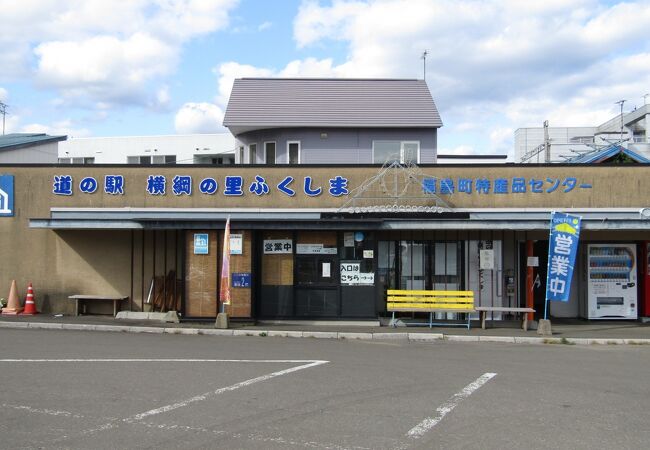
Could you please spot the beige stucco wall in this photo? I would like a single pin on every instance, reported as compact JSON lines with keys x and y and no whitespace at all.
{"x":62,"y":263}
{"x":620,"y":186}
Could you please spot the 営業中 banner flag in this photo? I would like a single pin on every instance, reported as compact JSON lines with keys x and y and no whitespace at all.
{"x":224,"y":291}
{"x":562,"y":250}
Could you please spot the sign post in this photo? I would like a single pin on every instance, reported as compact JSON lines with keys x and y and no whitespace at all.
{"x":562,"y":250}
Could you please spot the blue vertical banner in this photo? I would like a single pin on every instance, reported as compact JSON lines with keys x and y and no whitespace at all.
{"x":562,"y":250}
{"x":6,"y":195}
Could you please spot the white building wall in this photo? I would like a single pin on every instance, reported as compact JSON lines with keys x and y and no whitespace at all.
{"x":188,"y":149}
{"x":45,"y":153}
{"x":565,"y":141}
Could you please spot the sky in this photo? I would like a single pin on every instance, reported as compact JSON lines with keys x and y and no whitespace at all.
{"x":149,"y":67}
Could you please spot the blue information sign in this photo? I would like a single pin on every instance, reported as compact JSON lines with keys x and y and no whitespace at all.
{"x":6,"y":195}
{"x":200,"y":243}
{"x":241,"y":280}
{"x":562,"y":249}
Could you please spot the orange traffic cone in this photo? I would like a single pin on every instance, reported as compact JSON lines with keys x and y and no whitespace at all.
{"x":30,"y":306}
{"x":13,"y":304}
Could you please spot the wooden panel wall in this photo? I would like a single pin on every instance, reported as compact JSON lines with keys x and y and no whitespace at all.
{"x":241,"y":298}
{"x":201,"y":272}
{"x":277,"y":270}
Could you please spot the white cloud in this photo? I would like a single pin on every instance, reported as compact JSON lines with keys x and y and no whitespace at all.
{"x":63,"y":127}
{"x":309,"y":67}
{"x":162,"y":96}
{"x":102,"y":51}
{"x":199,"y":118}
{"x":104,"y":68}
{"x":3,"y":94}
{"x":505,"y":63}
{"x":227,"y":73}
{"x":315,"y":22}
{"x":264,"y":26}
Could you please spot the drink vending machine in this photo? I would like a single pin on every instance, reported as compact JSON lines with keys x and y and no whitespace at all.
{"x":612,"y":281}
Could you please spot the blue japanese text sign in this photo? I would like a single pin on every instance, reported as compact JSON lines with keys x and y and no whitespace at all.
{"x":6,"y":195}
{"x":562,"y":249}
{"x":200,"y":243}
{"x":241,"y":280}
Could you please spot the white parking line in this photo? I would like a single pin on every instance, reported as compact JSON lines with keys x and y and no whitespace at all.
{"x":136,"y":419}
{"x":49,"y":412}
{"x":152,"y":412}
{"x":233,"y":387}
{"x":417,"y":431}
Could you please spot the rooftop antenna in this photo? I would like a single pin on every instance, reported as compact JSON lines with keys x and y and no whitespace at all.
{"x":424,"y":64}
{"x":3,"y":111}
{"x":621,"y":102}
{"x":645,"y":96}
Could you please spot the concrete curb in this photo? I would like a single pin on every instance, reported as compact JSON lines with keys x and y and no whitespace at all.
{"x":411,"y":337}
{"x":425,"y":337}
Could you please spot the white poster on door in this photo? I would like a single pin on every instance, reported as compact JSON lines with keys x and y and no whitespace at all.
{"x":351,"y":274}
{"x":327,"y":270}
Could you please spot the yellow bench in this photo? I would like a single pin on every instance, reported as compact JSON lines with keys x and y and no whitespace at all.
{"x":431,"y":301}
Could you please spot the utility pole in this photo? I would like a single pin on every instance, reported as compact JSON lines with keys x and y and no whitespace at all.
{"x":424,"y":64}
{"x":547,"y":144}
{"x":621,"y":102}
{"x":3,"y":111}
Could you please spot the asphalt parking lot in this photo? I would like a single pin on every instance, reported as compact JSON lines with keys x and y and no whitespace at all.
{"x":68,"y":389}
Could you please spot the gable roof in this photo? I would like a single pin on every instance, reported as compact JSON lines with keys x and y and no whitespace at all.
{"x":606,"y":153}
{"x":15,"y":141}
{"x":259,"y":103}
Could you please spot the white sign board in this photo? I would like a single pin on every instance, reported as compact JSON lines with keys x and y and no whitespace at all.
{"x":278,"y":246}
{"x":236,"y":244}
{"x":348,"y":239}
{"x":315,"y":249}
{"x":351,"y":274}
{"x":486,"y":259}
{"x":368,"y":254}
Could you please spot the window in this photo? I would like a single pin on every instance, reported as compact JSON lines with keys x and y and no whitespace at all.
{"x":386,"y":268}
{"x":293,"y":149}
{"x":395,"y":151}
{"x":269,"y":153}
{"x":413,"y":256}
{"x":446,"y":265}
{"x":77,"y":160}
{"x":148,"y":160}
{"x":162,"y":159}
{"x":252,"y":154}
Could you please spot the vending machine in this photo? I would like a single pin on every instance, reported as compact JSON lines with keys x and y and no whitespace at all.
{"x":612,"y":281}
